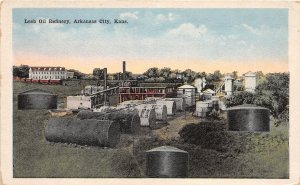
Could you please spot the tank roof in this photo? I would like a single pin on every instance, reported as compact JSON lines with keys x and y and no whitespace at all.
{"x":37,"y":91}
{"x":247,"y":106}
{"x":250,"y":73}
{"x":186,"y":87}
{"x":167,"y":149}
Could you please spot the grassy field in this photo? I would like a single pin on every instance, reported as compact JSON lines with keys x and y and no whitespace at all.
{"x":214,"y":153}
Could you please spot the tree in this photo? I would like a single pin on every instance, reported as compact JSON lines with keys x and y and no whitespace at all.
{"x":217,"y":76}
{"x":23,"y":71}
{"x":16,"y":71}
{"x":235,"y":74}
{"x":165,"y":72}
{"x":77,"y":73}
{"x":152,"y":72}
{"x":98,"y":72}
{"x":273,"y":94}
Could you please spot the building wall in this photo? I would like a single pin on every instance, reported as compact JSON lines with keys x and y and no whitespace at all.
{"x":47,"y":75}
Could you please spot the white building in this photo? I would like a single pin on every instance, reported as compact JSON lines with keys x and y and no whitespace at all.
{"x":250,"y":81}
{"x":47,"y":73}
{"x":188,"y":92}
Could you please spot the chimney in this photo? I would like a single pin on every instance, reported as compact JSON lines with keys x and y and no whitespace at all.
{"x":124,"y":70}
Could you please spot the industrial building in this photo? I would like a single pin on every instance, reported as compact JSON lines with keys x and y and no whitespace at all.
{"x":140,"y":93}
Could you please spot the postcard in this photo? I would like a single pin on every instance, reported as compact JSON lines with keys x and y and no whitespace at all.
{"x":192,"y":92}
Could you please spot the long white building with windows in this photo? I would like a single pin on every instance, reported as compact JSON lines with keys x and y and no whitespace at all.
{"x":47,"y":73}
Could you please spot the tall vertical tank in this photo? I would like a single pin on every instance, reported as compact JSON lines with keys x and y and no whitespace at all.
{"x":248,"y":118}
{"x":37,"y":99}
{"x":228,"y":84}
{"x":187,"y":92}
{"x":167,"y":161}
{"x":250,"y":81}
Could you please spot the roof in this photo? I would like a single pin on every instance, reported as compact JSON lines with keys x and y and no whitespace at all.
{"x":186,"y":87}
{"x":246,"y":106}
{"x":209,"y":91}
{"x":37,"y":91}
{"x":167,"y":149}
{"x":47,"y":68}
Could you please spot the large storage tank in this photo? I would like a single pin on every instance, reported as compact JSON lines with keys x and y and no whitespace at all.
{"x":180,"y":103}
{"x":152,"y":99}
{"x":203,"y":108}
{"x":160,"y":111}
{"x":129,"y":121}
{"x":188,"y":92}
{"x":105,"y":109}
{"x":250,"y":82}
{"x":248,"y":118}
{"x":37,"y":99}
{"x":167,"y":161}
{"x":147,"y":114}
{"x":103,"y":133}
{"x":171,"y":106}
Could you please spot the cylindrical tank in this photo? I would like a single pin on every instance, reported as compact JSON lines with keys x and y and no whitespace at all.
{"x":180,"y":103}
{"x":105,"y":109}
{"x":152,"y":99}
{"x":248,"y":118}
{"x":203,"y":108}
{"x":171,"y":106}
{"x":147,"y":114}
{"x":129,"y":121}
{"x":167,"y":161}
{"x":160,"y":111}
{"x":37,"y":99}
{"x":103,"y":133}
{"x":148,"y":117}
{"x":132,"y":102}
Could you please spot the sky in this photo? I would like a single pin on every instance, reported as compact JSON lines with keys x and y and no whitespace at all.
{"x":199,"y":39}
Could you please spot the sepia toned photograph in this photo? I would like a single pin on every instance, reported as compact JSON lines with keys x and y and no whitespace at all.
{"x":145,"y":92}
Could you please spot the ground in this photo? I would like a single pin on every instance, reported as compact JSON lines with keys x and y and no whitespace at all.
{"x":213,"y":152}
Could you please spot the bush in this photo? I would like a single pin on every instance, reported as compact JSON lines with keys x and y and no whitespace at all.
{"x":272,"y":93}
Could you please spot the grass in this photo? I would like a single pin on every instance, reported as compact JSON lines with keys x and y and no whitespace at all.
{"x":214,"y":153}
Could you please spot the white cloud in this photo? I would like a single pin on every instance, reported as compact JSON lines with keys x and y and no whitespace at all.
{"x":129,"y":15}
{"x":189,"y":29}
{"x":166,"y":17}
{"x":251,"y":29}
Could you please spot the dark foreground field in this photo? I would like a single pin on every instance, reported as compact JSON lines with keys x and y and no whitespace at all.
{"x":213,"y":151}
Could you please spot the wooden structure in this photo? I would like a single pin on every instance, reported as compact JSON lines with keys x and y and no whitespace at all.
{"x":140,"y":93}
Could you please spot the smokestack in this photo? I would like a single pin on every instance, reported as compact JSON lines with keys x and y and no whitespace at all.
{"x":124,"y":70}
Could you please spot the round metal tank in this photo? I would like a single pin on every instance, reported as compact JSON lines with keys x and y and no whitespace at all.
{"x":129,"y":121}
{"x":203,"y":108}
{"x":167,"y":161}
{"x":180,"y":103}
{"x":103,"y":133}
{"x":248,"y":118}
{"x":171,"y":106}
{"x":37,"y":99}
{"x":160,"y":111}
